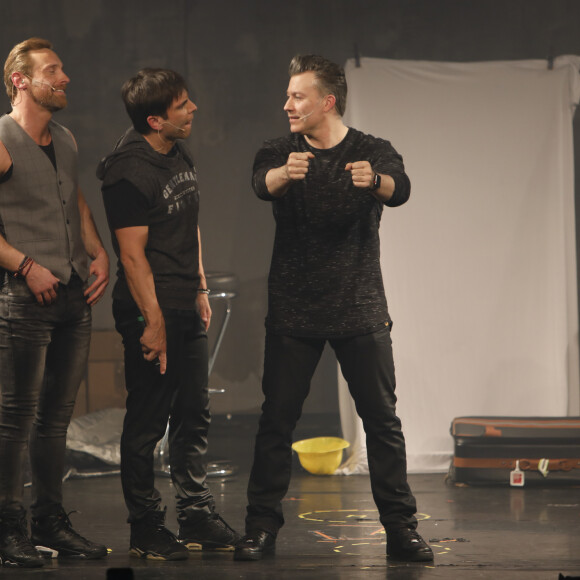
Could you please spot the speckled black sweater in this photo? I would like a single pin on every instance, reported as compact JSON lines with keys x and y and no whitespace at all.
{"x":325,"y":277}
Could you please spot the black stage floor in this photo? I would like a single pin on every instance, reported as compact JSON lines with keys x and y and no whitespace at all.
{"x":332,"y":529}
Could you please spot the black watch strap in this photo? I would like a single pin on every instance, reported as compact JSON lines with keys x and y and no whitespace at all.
{"x":376,"y":182}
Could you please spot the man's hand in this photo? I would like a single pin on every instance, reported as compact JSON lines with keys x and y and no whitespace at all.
{"x":297,"y":165}
{"x":42,"y":283}
{"x":154,"y":344}
{"x":204,"y":308}
{"x":362,"y":173}
{"x":100,"y":269}
{"x":279,"y":179}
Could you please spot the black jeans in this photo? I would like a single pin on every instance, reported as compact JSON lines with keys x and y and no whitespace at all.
{"x":180,"y":396}
{"x":367,"y":365}
{"x":43,"y":358}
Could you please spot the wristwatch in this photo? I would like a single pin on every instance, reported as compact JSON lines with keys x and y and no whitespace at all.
{"x":376,"y":182}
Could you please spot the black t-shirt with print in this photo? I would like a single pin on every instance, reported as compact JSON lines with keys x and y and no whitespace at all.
{"x":163,"y":196}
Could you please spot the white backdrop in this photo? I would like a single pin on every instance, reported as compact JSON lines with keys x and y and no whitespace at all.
{"x":479,"y":265}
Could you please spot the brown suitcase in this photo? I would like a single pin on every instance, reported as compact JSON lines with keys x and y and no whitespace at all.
{"x":516,"y":450}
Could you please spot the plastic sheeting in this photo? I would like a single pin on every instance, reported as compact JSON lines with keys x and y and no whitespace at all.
{"x":94,"y":444}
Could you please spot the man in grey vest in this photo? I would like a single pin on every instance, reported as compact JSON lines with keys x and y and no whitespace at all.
{"x":49,"y":247}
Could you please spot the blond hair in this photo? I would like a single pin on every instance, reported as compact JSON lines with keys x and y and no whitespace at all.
{"x":19,"y":61}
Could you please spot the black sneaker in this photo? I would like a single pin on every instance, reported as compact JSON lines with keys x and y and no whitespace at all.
{"x":254,"y":546}
{"x":407,"y":545}
{"x":15,"y":546}
{"x":54,"y":534}
{"x":150,"y":539}
{"x":207,"y":531}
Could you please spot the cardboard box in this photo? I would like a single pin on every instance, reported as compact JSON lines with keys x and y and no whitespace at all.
{"x":106,"y":345}
{"x":104,"y":383}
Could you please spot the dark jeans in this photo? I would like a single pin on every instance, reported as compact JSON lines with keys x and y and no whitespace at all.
{"x":43,"y":357}
{"x":180,"y":396}
{"x":367,"y":365}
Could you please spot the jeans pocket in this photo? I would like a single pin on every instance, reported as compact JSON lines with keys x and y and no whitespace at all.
{"x":16,"y":288}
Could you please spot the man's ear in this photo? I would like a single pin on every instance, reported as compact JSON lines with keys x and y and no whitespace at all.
{"x":329,"y":102}
{"x":154,"y":123}
{"x":18,"y":80}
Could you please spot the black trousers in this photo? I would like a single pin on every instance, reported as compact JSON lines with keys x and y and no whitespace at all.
{"x":367,"y":365}
{"x":43,"y":357}
{"x":180,"y":396}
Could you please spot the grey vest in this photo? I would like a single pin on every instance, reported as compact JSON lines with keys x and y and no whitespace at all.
{"x":38,"y":205}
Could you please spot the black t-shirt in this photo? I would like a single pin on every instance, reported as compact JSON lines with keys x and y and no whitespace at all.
{"x":7,"y":175}
{"x":160,"y":192}
{"x":325,"y":277}
{"x":126,"y":206}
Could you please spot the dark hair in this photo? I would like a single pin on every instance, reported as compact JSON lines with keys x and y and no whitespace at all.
{"x":329,"y":76}
{"x":19,"y":61}
{"x":151,"y":92}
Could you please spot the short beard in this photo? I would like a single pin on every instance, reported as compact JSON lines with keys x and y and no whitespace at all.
{"x":47,"y":103}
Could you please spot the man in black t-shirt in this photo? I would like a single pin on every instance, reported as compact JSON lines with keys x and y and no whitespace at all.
{"x":162,"y":311}
{"x":328,"y":185}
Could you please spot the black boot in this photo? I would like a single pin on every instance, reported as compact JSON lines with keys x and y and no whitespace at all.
{"x":206,"y":530}
{"x":54,"y":533}
{"x":407,"y":545}
{"x":15,"y":546}
{"x":255,"y":545}
{"x":150,"y":539}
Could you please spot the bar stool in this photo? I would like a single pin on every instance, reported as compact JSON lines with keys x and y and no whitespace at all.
{"x":223,"y":289}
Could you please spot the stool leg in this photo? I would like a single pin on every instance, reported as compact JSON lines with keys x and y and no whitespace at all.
{"x":220,"y":335}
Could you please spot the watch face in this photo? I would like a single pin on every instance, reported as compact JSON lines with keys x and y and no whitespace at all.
{"x":376,"y":182}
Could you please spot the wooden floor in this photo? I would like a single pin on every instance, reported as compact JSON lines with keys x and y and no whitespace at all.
{"x":332,"y":529}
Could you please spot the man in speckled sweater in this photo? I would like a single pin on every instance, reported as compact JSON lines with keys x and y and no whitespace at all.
{"x":328,"y":184}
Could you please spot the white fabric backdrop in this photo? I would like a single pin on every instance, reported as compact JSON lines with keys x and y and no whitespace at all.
{"x":480,"y":265}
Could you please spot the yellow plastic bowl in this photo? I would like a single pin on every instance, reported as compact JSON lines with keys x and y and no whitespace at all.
{"x":320,"y":455}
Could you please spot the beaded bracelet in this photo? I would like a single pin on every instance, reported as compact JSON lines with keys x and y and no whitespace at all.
{"x":26,"y":264}
{"x":27,"y":268}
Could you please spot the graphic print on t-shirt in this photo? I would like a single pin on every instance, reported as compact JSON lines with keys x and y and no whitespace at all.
{"x":180,"y":191}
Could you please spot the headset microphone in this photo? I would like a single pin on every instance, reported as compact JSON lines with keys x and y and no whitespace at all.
{"x":305,"y":116}
{"x":39,"y":83}
{"x":174,"y":126}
